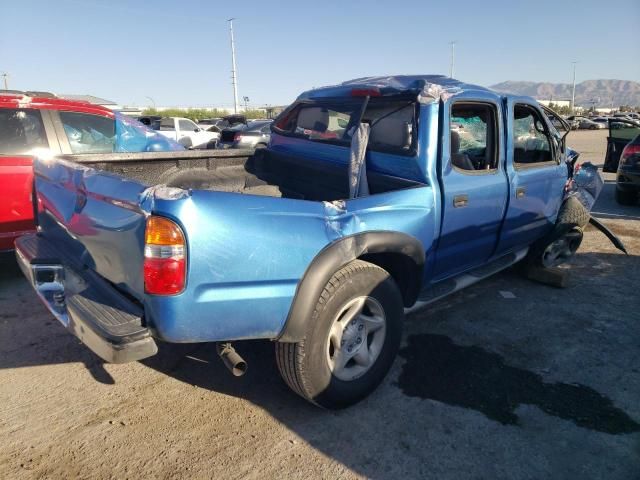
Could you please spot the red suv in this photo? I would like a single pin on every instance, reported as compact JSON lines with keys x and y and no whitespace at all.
{"x":38,"y":123}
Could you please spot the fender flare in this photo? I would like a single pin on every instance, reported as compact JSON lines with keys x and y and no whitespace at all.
{"x":341,"y":252}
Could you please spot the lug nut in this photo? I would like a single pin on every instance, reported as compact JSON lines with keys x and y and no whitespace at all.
{"x":349,"y":349}
{"x":360,"y":327}
{"x":359,"y":340}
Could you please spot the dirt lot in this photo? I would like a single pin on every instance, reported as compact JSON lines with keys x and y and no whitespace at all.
{"x":544,"y":383}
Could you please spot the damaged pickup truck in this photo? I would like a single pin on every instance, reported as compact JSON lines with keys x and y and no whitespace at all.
{"x":374,"y":196}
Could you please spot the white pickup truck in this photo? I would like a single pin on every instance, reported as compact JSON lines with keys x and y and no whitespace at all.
{"x":187,"y":133}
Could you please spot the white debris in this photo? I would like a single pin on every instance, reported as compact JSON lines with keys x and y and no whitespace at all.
{"x":507,"y":294}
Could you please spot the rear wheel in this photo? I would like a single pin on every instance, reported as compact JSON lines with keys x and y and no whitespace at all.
{"x":350,"y":341}
{"x":626,"y":197}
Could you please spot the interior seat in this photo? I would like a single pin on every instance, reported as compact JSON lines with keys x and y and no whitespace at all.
{"x":460,"y":160}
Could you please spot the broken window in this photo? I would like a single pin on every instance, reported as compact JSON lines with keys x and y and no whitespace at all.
{"x":473,"y":131}
{"x":531,"y":142}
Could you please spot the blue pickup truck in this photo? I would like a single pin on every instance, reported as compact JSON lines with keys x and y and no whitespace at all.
{"x":374,"y":196}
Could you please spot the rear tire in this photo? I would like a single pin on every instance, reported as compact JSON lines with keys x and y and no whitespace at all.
{"x":626,"y":197}
{"x":351,"y":339}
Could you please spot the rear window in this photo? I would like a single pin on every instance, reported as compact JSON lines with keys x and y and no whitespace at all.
{"x":21,"y":130}
{"x":393,"y":123}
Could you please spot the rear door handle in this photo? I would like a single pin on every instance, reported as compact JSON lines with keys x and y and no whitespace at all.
{"x":460,"y":201}
{"x":520,"y":191}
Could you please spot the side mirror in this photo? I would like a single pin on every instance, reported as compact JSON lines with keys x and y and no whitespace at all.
{"x":197,"y":129}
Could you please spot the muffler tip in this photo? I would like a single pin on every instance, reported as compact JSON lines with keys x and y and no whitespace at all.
{"x":232,"y":359}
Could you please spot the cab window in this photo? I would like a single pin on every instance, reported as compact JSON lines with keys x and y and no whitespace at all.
{"x":474,"y":137}
{"x":531,"y":139}
{"x":393,"y":123}
{"x":187,"y":126}
{"x":21,"y":130}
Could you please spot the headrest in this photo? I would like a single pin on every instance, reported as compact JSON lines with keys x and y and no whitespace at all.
{"x":313,"y":118}
{"x":390,"y":131}
{"x":455,"y":142}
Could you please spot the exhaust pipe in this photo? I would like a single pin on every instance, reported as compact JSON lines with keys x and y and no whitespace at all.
{"x":231,"y":359}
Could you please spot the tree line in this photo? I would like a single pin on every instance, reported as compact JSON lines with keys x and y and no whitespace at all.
{"x":196,"y":114}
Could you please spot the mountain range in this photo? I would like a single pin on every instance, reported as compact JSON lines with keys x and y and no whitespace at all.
{"x":600,"y":93}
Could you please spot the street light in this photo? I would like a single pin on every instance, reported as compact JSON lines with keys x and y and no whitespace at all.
{"x":152,"y":101}
{"x":573,"y":89}
{"x":246,"y":103}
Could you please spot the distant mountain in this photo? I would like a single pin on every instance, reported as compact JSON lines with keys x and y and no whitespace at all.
{"x":605,"y":93}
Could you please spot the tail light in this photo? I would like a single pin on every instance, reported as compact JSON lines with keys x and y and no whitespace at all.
{"x":165,"y":257}
{"x":237,"y":136}
{"x":630,"y":153}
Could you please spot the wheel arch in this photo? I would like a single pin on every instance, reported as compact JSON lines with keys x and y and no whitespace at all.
{"x":400,"y":254}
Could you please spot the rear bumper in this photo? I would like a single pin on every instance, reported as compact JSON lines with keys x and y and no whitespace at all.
{"x":89,"y":307}
{"x":628,"y":179}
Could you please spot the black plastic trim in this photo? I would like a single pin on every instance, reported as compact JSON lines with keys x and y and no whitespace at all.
{"x":338,"y":254}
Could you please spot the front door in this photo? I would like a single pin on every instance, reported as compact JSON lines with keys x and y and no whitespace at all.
{"x":536,"y":175}
{"x":474,"y":184}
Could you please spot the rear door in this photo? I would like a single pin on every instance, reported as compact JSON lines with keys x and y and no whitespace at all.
{"x":621,"y":132}
{"x":536,"y":175}
{"x":473,"y":181}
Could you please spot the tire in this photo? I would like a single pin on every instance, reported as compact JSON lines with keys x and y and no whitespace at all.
{"x":311,"y":367}
{"x":564,"y":240}
{"x":626,"y":197}
{"x":186,"y":142}
{"x":593,"y":127}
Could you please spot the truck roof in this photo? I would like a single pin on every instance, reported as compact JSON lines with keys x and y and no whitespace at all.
{"x":15,"y":99}
{"x":427,"y":85}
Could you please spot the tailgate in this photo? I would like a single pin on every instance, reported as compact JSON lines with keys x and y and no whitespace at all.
{"x":95,"y":217}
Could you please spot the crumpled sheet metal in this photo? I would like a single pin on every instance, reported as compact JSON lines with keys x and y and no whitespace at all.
{"x":160,"y":192}
{"x":430,"y":88}
{"x":585,"y":185}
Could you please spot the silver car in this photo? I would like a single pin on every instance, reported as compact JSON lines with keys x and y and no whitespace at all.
{"x":256,"y":134}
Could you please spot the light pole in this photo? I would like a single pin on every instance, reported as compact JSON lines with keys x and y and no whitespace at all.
{"x":4,"y":77}
{"x":453,"y":58}
{"x":234,"y":77}
{"x":246,"y":103}
{"x":152,"y":101}
{"x":573,"y":89}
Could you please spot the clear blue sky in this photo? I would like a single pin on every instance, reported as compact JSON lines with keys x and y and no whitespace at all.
{"x":177,"y":52}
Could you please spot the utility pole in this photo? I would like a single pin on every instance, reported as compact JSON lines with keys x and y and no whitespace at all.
{"x":4,"y":77}
{"x":573,"y":89}
{"x":234,"y":76}
{"x":453,"y":58}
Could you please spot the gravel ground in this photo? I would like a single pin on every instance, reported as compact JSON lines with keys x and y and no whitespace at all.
{"x":506,"y":379}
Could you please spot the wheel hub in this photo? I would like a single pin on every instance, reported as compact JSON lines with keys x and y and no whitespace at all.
{"x":356,"y":338}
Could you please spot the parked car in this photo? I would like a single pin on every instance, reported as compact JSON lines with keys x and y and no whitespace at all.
{"x":587,"y":124}
{"x":623,"y":158}
{"x":187,"y":133}
{"x":42,"y":124}
{"x":256,"y":134}
{"x":365,"y":203}
{"x":602,"y":120}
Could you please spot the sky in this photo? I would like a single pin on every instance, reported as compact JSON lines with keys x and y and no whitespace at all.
{"x":177,"y":52}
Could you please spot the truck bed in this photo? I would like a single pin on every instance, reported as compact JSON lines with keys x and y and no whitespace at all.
{"x":262,"y":172}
